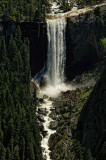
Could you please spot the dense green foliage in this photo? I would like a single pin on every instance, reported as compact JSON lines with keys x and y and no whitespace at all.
{"x":102,"y":46}
{"x":34,"y":10}
{"x":100,"y":26}
{"x":81,"y":153}
{"x":65,"y":5}
{"x":19,"y":132}
{"x":23,"y":10}
{"x":99,"y":17}
{"x":64,"y":144}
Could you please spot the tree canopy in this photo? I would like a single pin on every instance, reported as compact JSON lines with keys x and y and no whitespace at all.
{"x":19,"y":131}
{"x":23,"y":10}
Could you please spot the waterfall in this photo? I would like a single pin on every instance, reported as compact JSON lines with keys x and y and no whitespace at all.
{"x":56,"y":55}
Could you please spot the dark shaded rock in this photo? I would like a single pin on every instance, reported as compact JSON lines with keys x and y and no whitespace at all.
{"x":52,"y":109}
{"x":45,"y":96}
{"x":91,"y":129}
{"x":53,"y":125}
{"x":53,"y":115}
{"x":52,"y":99}
{"x":54,"y":138}
{"x":43,"y":82}
{"x":41,"y":127}
{"x":44,"y":133}
{"x":68,"y":92}
{"x":41,"y":100}
{"x":41,"y":118}
{"x":57,"y":110}
{"x":37,"y":35}
{"x":57,"y":103}
{"x":81,"y":42}
{"x":33,"y":87}
{"x":42,"y":111}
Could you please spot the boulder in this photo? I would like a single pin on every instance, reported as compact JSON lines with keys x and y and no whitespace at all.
{"x":53,"y":115}
{"x":34,"y":87}
{"x":57,"y":110}
{"x":44,"y":133}
{"x":45,"y":96}
{"x":42,"y":111}
{"x":41,"y":100}
{"x":52,"y":109}
{"x":41,"y":118}
{"x":43,"y":82}
{"x":41,"y":127}
{"x":53,"y":125}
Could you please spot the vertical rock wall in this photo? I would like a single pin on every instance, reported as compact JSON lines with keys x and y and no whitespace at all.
{"x":82,"y":41}
{"x":37,"y":34}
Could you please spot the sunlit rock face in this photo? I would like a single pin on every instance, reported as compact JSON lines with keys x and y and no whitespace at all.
{"x":34,"y":87}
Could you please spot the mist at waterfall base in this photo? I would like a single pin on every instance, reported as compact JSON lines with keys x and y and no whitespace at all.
{"x":56,"y":58}
{"x":54,"y":91}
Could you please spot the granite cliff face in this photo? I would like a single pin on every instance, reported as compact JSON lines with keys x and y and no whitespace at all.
{"x":82,"y":41}
{"x":92,"y":121}
{"x":37,"y":34}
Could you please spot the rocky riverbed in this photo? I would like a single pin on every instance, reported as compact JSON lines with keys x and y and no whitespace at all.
{"x":67,"y":106}
{"x":47,"y":125}
{"x":58,"y":117}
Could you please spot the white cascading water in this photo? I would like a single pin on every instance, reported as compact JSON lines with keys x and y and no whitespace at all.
{"x":56,"y":56}
{"x":44,"y":143}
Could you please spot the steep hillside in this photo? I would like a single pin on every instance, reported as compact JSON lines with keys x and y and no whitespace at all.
{"x":92,"y":122}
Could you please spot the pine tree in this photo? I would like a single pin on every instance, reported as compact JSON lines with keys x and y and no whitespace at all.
{"x":3,"y":52}
{"x":78,"y":151}
{"x":22,"y":144}
{"x":88,"y":155}
{"x":2,"y":152}
{"x":30,"y":151}
{"x":12,"y":50}
{"x":103,"y":152}
{"x":8,"y":154}
{"x":16,"y":122}
{"x":18,"y":36}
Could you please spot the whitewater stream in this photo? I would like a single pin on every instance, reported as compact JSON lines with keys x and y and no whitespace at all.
{"x":47,"y":105}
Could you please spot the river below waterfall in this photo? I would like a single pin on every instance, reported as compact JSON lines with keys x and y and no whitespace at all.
{"x":44,"y":110}
{"x":47,"y":107}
